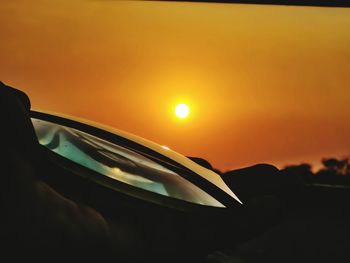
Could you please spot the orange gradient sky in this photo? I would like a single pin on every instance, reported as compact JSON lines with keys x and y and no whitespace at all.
{"x":264,"y":83}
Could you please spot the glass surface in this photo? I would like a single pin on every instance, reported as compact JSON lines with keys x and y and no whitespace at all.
{"x":118,"y":162}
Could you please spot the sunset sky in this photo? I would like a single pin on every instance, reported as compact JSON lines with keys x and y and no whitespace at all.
{"x":263,"y":83}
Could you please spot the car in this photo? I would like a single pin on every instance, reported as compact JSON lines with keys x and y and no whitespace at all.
{"x":176,"y":203}
{"x":131,"y":165}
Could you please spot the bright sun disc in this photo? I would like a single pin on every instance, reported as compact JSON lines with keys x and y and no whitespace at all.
{"x":182,"y":110}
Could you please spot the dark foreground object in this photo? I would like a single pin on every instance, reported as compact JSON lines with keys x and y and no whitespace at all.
{"x":37,"y":222}
{"x":315,"y":221}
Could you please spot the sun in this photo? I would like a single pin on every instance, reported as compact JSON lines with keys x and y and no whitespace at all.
{"x":182,"y":110}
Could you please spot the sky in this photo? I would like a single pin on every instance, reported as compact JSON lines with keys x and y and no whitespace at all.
{"x":265,"y":84}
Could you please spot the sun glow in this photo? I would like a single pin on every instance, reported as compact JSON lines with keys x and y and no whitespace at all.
{"x":182,"y":111}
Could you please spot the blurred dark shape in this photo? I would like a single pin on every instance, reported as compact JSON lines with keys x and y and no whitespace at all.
{"x":335,"y":172}
{"x":311,"y":224}
{"x":204,"y":163}
{"x":304,"y":169}
{"x":36,"y":221}
{"x":201,"y":162}
{"x":340,"y":166}
{"x":258,"y":187}
{"x":16,"y":94}
{"x":298,"y":174}
{"x":253,"y":180}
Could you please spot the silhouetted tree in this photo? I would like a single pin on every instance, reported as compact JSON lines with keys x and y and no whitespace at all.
{"x":334,"y":172}
{"x":340,"y":166}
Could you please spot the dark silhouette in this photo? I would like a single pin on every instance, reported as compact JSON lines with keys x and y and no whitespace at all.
{"x":335,"y":164}
{"x":204,"y":163}
{"x":339,"y":167}
{"x":36,"y":221}
{"x":290,"y":213}
{"x":297,"y":175}
{"x":201,"y":162}
{"x":334,"y":172}
{"x":310,"y":222}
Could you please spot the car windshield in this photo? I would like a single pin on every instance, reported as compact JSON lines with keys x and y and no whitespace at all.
{"x":118,"y":162}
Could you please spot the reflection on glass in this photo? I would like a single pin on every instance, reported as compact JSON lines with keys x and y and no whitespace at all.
{"x":118,"y":162}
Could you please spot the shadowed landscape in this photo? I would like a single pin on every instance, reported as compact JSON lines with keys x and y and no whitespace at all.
{"x":291,"y":214}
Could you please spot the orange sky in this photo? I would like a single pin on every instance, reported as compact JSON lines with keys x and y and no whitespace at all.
{"x":265,"y":83}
